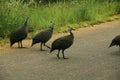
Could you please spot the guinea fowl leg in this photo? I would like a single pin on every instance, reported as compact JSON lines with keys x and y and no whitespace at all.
{"x":63,"y":55}
{"x":58,"y":54}
{"x":47,"y":46}
{"x":18,"y":44}
{"x":41,"y":47}
{"x":21,"y":45}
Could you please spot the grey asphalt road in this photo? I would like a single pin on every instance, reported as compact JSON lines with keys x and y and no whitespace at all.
{"x":89,"y":58}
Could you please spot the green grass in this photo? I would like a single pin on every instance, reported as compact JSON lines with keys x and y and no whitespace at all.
{"x":82,"y":14}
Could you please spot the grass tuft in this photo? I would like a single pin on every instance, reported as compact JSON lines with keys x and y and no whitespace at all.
{"x":78,"y":14}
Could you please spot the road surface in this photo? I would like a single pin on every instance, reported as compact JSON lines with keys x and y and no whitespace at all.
{"x":89,"y":58}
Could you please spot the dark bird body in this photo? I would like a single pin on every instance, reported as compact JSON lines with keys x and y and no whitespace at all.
{"x":43,"y":37}
{"x":115,"y":41}
{"x":63,"y":43}
{"x":19,"y":34}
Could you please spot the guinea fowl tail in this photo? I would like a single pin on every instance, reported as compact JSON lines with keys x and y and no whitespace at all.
{"x":32,"y":44}
{"x":112,"y":44}
{"x":11,"y":43}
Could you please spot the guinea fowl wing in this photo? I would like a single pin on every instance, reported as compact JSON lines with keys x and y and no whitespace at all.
{"x":43,"y":36}
{"x":62,"y":43}
{"x":18,"y":35}
{"x":115,"y":41}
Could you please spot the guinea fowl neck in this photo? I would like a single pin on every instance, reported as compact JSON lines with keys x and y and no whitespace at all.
{"x":51,"y":28}
{"x":25,"y":24}
{"x":71,"y":33}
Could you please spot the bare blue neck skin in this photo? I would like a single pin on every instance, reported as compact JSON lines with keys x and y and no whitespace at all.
{"x":52,"y":26}
{"x":26,"y":20}
{"x":70,"y":31}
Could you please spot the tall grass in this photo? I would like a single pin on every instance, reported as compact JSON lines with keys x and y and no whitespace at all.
{"x":12,"y":14}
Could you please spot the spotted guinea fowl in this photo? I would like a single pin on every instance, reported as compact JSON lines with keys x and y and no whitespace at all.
{"x":19,"y":34}
{"x":63,"y":43}
{"x":43,"y":36}
{"x":115,"y":41}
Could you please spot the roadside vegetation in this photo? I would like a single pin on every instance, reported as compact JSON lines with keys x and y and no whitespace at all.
{"x":77,"y":13}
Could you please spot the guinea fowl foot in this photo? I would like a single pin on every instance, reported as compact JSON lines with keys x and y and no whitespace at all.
{"x":65,"y":58}
{"x":21,"y":47}
{"x":42,"y":50}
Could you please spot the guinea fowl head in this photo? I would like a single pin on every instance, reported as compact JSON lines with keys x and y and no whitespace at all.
{"x":52,"y":25}
{"x":70,"y":29}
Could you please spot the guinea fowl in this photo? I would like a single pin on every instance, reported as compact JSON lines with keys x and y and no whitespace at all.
{"x":19,"y":34}
{"x":43,"y":37}
{"x":63,"y":43}
{"x":115,"y":41}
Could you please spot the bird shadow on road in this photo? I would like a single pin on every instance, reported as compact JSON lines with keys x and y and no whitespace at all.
{"x":115,"y":53}
{"x":34,"y":50}
{"x":19,"y":48}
